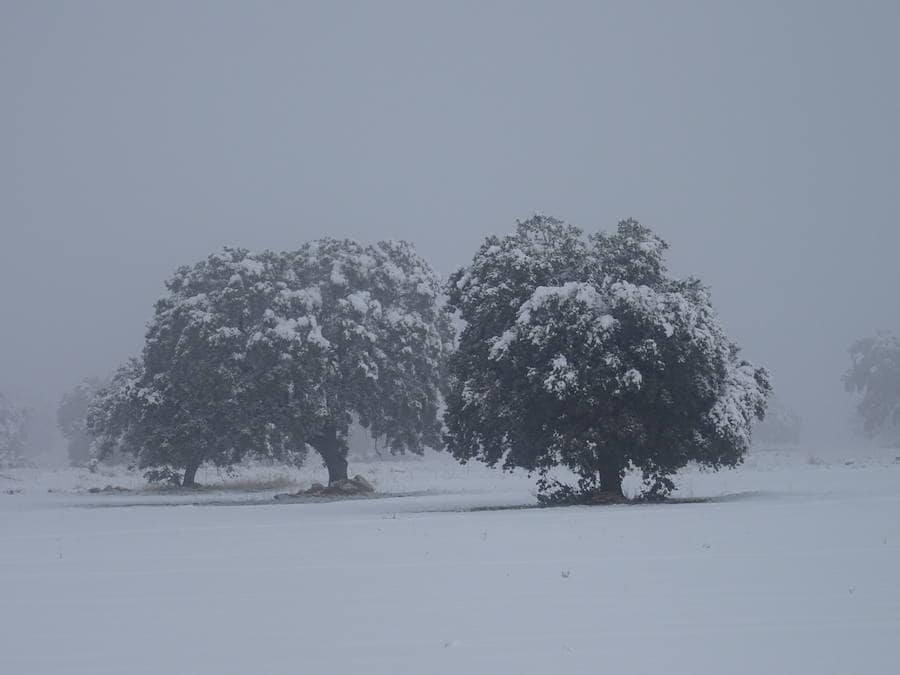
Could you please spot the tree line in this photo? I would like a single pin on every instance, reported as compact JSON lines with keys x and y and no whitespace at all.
{"x":551,"y":348}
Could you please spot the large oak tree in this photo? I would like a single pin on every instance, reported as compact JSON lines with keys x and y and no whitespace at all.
{"x":268,"y":354}
{"x":583,"y":353}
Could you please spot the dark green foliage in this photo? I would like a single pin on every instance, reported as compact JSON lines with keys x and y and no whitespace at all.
{"x":265,"y":355}
{"x":186,"y":400}
{"x":585,"y":355}
{"x":164,"y":476}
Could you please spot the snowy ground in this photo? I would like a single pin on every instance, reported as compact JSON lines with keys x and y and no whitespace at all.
{"x":794,"y":568}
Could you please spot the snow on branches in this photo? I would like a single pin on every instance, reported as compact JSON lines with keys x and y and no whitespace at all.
{"x":266,"y":353}
{"x":584,"y":353}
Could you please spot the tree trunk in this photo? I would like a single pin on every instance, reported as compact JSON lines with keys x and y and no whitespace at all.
{"x":190,"y":473}
{"x":611,"y":480}
{"x":328,"y":447}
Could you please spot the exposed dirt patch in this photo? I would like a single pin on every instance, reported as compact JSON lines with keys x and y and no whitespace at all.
{"x":349,"y":487}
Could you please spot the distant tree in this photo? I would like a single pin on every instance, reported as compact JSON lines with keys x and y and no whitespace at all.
{"x":13,"y":432}
{"x":583,"y":353}
{"x":268,"y":354}
{"x":874,"y":375}
{"x":782,"y":426}
{"x":71,"y":418}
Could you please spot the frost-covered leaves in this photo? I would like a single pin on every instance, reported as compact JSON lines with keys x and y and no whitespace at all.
{"x":588,"y":356}
{"x":13,"y":430}
{"x":263,"y":353}
{"x":115,"y":414}
{"x":542,"y":252}
{"x":874,"y":375}
{"x":192,"y":395}
{"x":383,"y":334}
{"x":633,"y":252}
{"x":71,"y":418}
{"x":186,"y":400}
{"x":205,"y":363}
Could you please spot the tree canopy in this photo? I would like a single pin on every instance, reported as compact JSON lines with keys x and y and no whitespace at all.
{"x":265,"y":354}
{"x":582,"y":352}
{"x":874,"y":375}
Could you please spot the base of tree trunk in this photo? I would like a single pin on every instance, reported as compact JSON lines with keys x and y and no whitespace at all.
{"x":611,"y":482}
{"x":337,"y":470}
{"x":582,"y":498}
{"x":604,"y":497}
{"x":333,"y":457}
{"x":552,"y":492}
{"x":348,"y":486}
{"x":190,"y":475}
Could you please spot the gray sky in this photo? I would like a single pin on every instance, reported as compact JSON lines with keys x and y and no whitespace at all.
{"x":759,"y":138}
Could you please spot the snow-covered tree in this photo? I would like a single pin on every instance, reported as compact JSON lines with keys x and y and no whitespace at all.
{"x":187,"y":399}
{"x":373,"y":333}
{"x":266,"y":354}
{"x":874,"y":375}
{"x":113,"y":419}
{"x":71,"y":418}
{"x":583,"y":353}
{"x":13,"y":431}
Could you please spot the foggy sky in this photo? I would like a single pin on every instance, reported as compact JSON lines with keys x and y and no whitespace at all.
{"x":759,"y":138}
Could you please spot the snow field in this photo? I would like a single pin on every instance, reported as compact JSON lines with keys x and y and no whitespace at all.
{"x":794,"y":569}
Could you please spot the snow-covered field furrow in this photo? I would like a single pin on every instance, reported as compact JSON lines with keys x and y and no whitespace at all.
{"x":794,"y":571}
